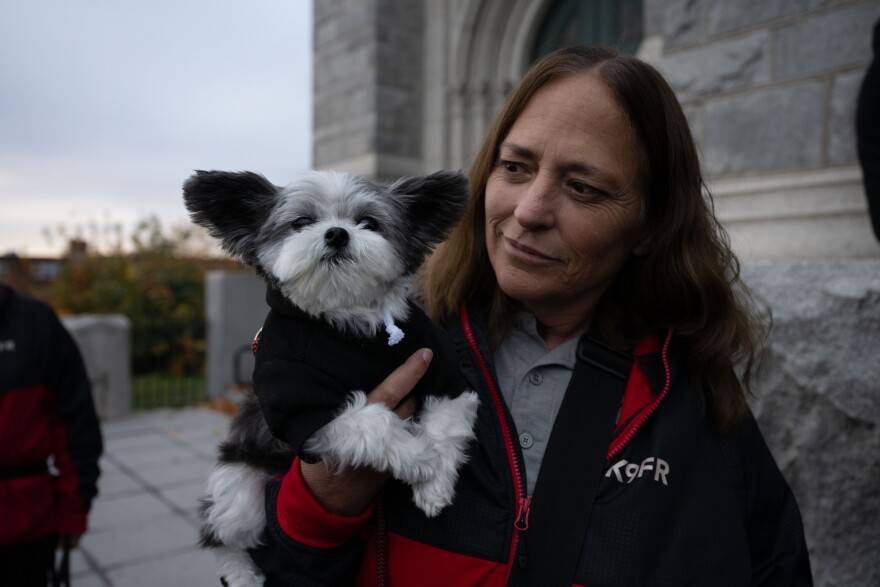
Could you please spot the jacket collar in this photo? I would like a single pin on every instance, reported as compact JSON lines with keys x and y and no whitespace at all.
{"x":649,"y":382}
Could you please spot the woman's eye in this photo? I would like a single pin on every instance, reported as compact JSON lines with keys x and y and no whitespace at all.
{"x":302,"y":222}
{"x":584,"y":189}
{"x":511,"y":167}
{"x":368,"y":223}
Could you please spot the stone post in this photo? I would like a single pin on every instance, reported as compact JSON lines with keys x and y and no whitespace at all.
{"x":104,"y":342}
{"x":235,"y":308}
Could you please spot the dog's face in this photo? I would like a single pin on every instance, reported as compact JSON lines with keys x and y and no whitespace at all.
{"x":328,"y":240}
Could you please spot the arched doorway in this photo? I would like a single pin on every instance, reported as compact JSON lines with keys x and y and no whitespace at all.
{"x":616,"y":23}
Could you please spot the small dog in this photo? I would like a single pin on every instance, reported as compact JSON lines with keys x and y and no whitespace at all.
{"x":338,"y":253}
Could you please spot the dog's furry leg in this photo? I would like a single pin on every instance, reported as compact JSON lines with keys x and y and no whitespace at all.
{"x":233,"y":518}
{"x":236,"y":514}
{"x":237,"y":569}
{"x":448,"y":425}
{"x":370,"y":435}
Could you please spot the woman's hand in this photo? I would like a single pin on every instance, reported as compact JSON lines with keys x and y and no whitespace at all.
{"x":348,"y":492}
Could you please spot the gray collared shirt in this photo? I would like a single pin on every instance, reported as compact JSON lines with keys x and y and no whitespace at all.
{"x":533,"y":381}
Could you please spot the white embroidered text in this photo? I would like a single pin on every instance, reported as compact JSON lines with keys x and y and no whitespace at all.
{"x":627,"y":472}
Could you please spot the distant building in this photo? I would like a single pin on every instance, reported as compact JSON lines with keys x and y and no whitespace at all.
{"x":35,"y":275}
{"x":32,"y":275}
{"x":410,"y":86}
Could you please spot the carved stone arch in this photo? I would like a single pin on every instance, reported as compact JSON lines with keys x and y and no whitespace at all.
{"x":491,"y":45}
{"x":526,"y":18}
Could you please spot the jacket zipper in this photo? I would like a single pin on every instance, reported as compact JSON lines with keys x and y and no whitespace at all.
{"x":523,"y":503}
{"x":521,"y":521}
{"x":619,"y":446}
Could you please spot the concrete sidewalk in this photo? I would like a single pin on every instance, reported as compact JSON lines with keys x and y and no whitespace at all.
{"x":143,"y":526}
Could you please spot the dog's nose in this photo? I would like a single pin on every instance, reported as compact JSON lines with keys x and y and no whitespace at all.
{"x":336,"y":237}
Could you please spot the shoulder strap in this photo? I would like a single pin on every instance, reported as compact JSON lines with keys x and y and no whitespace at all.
{"x":572,"y":466}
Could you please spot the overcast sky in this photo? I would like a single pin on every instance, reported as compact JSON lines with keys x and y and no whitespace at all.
{"x":107,"y":106}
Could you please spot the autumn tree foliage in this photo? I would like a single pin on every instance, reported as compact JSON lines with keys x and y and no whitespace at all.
{"x":157,"y":282}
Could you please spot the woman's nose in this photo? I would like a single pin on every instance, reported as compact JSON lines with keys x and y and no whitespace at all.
{"x":536,"y":207}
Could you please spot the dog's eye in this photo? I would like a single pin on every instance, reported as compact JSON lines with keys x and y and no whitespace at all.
{"x":302,"y":222}
{"x":368,"y":223}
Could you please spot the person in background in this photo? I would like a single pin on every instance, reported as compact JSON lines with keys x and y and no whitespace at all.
{"x":587,"y":222}
{"x":47,"y":416}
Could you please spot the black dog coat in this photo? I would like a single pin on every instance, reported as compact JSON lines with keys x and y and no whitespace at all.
{"x":305,"y":370}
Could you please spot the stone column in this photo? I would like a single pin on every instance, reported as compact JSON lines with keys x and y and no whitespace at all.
{"x":104,"y":342}
{"x":368,"y":86}
{"x":235,"y":308}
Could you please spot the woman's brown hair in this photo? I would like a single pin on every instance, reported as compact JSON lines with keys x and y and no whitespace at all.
{"x":689,"y":279}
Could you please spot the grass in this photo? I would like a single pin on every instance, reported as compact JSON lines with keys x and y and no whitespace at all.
{"x":158,"y":390}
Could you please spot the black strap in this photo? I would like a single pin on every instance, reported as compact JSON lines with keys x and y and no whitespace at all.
{"x":20,"y":470}
{"x":61,"y":575}
{"x":572,"y":467}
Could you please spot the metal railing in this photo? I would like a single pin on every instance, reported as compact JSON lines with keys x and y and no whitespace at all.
{"x":168,"y":363}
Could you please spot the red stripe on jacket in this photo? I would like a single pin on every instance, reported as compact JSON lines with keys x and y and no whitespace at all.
{"x":36,"y":505}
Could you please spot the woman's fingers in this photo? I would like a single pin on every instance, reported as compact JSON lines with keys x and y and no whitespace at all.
{"x":406,"y":408}
{"x":402,"y":380}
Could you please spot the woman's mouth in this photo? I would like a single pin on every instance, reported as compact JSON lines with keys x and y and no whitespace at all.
{"x":524,"y":252}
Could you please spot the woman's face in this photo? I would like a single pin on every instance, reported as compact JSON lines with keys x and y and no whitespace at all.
{"x":563,"y":201}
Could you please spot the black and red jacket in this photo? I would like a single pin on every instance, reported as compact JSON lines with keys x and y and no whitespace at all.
{"x":678,"y":503}
{"x":46,"y":410}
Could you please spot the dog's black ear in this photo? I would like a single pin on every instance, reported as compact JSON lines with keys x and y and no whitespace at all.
{"x":232,"y":206}
{"x":434,"y":204}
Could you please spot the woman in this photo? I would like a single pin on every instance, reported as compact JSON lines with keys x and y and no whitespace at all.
{"x":586,"y":214}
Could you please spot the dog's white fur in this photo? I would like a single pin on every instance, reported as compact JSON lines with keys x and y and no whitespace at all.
{"x":238,"y":514}
{"x":237,"y":568}
{"x":358,"y":290}
{"x":355,"y":296}
{"x":423,"y":453}
{"x":237,"y":517}
{"x":448,"y":425}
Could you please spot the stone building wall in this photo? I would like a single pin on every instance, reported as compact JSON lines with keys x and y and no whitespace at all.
{"x":817,"y":401}
{"x":770,"y":90}
{"x":769,"y":87}
{"x":367,"y":92}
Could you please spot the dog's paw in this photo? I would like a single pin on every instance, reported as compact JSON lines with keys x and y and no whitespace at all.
{"x":236,"y":569}
{"x":447,"y":424}
{"x":243,"y":578}
{"x":434,"y":495}
{"x":370,"y":435}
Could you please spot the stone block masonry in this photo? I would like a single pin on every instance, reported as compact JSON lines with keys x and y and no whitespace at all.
{"x":817,"y":401}
{"x":769,"y":88}
{"x":826,"y":42}
{"x":765,"y":130}
{"x":368,"y":83}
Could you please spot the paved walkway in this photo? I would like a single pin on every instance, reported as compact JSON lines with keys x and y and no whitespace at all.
{"x":143,"y":526}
